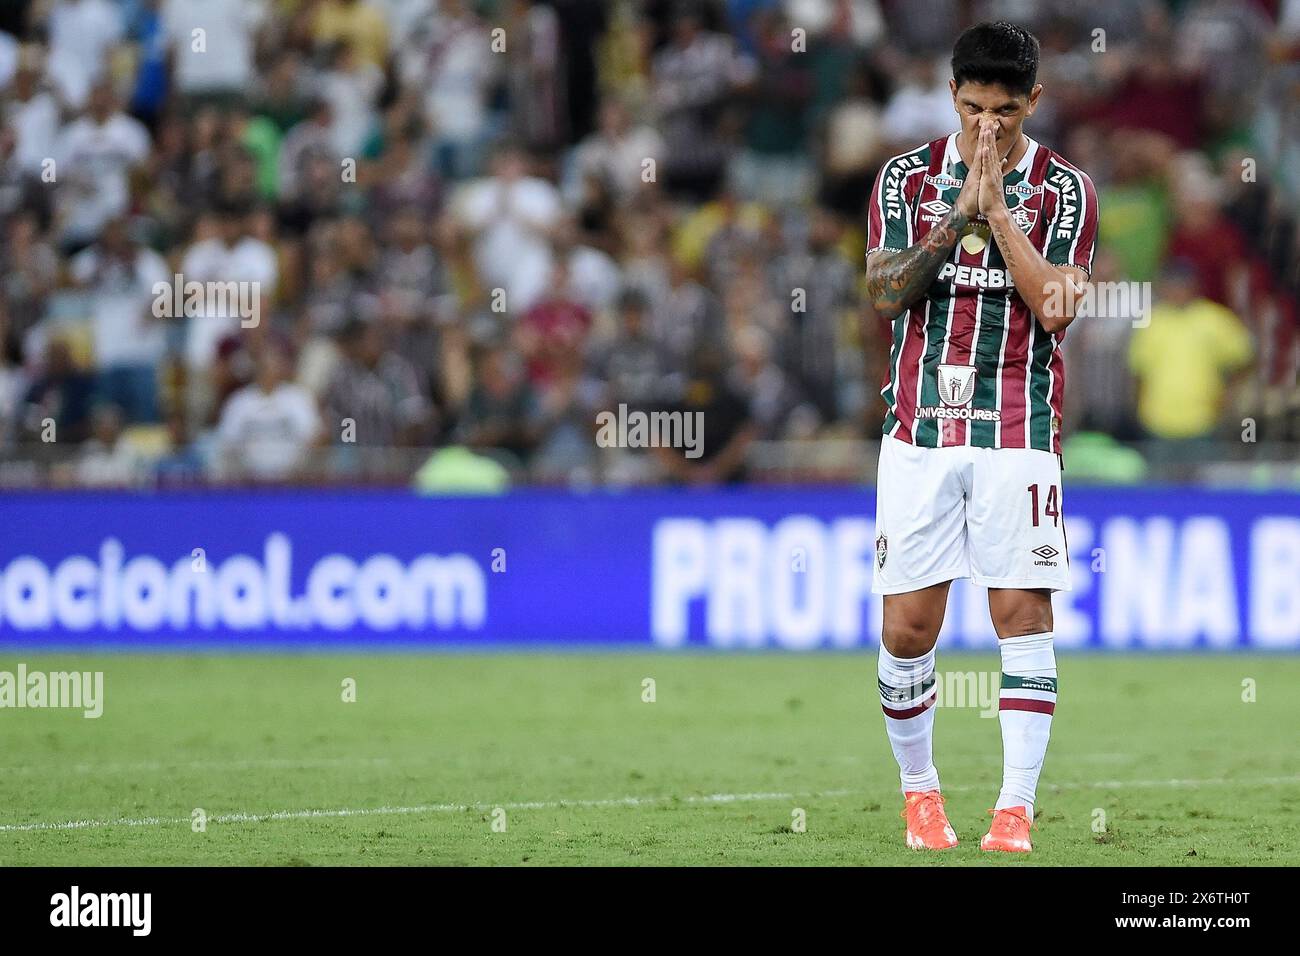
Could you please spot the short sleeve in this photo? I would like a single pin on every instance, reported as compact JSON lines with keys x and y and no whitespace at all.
{"x":1072,"y":233}
{"x":1233,"y":342}
{"x":889,"y":221}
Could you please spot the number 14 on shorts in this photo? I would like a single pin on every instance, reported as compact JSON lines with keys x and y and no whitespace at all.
{"x":1051,"y":505}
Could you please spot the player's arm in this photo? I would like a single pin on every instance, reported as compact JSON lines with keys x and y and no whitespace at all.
{"x":898,"y":278}
{"x":1051,"y":291}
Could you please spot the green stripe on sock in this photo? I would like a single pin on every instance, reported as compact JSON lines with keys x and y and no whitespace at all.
{"x":895,"y":694}
{"x":1045,"y":684}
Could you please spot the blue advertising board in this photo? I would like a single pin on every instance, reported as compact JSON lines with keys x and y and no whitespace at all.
{"x":1161,"y":569}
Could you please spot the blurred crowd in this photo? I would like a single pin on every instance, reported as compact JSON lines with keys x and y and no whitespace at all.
{"x":453,"y":232}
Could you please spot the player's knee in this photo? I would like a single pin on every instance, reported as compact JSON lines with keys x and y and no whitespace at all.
{"x":908,"y":638}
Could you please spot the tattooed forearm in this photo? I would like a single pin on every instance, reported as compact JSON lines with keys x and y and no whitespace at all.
{"x":897,"y":279}
{"x":1002,"y":237}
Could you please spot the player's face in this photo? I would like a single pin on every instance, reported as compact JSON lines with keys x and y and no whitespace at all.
{"x":993,"y":103}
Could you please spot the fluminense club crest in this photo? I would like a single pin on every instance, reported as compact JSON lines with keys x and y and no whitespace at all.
{"x":1024,"y":217}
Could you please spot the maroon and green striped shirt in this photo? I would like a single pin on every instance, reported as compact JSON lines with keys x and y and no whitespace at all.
{"x":969,"y":363}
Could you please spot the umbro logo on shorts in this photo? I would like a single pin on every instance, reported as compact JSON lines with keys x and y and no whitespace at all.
{"x":1046,"y":553}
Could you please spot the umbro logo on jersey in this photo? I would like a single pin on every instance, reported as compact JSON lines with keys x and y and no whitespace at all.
{"x":1045,"y":554}
{"x":934,"y":210}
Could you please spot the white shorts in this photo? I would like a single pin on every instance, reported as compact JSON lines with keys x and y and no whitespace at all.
{"x":989,"y":514}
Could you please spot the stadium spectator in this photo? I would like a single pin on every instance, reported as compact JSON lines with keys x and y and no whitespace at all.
{"x":374,"y":398}
{"x":1187,"y":359}
{"x":613,"y":158}
{"x":509,"y":217}
{"x":58,"y":402}
{"x":130,"y":339}
{"x":722,"y":428}
{"x":33,"y":115}
{"x":82,"y":34}
{"x":359,"y":24}
{"x":107,"y":460}
{"x":225,"y":257}
{"x":30,"y":273}
{"x":268,"y":427}
{"x":692,"y":83}
{"x":502,"y":414}
{"x":212,"y":43}
{"x":553,"y":330}
{"x":450,"y":61}
{"x":97,"y":154}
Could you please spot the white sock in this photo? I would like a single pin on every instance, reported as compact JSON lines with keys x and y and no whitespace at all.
{"x":1025,"y":708}
{"x":907,"y":696}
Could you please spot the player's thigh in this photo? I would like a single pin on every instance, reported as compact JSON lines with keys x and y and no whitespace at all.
{"x":1014,"y":521}
{"x":920,"y":517}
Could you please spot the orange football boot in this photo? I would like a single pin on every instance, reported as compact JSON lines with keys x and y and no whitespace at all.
{"x":927,"y":824}
{"x":1009,"y":831}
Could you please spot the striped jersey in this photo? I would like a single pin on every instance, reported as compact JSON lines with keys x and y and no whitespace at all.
{"x":969,"y":364}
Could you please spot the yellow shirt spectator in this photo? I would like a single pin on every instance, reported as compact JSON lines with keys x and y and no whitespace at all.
{"x":1182,"y":361}
{"x":359,"y":23}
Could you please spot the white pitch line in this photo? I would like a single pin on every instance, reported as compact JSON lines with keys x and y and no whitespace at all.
{"x":711,"y":798}
{"x":160,"y":766}
{"x":424,"y":808}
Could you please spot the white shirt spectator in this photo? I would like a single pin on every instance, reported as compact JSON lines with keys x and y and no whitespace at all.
{"x":615,"y":162}
{"x":352,"y":95}
{"x":248,"y":260}
{"x":451,"y":58}
{"x":917,"y":114}
{"x":101,"y":466}
{"x":595,"y":279}
{"x":81,"y":34}
{"x":512,"y":220}
{"x":226,"y":60}
{"x":404,"y":18}
{"x":35,"y":123}
{"x":125,"y":329}
{"x":94,"y":160}
{"x":866,"y":22}
{"x":265,"y":434}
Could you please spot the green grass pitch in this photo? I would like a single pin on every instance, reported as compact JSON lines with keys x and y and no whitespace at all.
{"x":585,"y":772}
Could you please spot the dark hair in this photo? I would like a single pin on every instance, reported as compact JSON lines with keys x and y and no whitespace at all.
{"x":998,"y":52}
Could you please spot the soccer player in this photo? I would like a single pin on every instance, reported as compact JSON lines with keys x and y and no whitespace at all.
{"x":979,"y":245}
